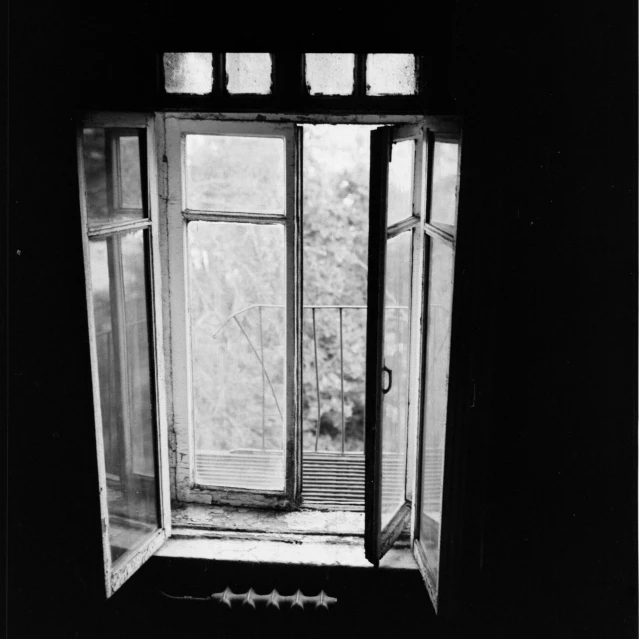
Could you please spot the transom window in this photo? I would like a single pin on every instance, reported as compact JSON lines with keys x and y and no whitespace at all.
{"x":325,"y":74}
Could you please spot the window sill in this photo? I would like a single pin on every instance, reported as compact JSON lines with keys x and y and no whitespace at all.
{"x":305,"y":550}
{"x":226,"y":518}
{"x":301,"y":537}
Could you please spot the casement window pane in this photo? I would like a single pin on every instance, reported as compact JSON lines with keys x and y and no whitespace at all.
{"x":235,"y":174}
{"x":400,"y":181}
{"x":445,"y":176}
{"x":249,"y":73}
{"x":440,"y":298}
{"x":396,"y":358}
{"x":330,"y":73}
{"x":113,"y":175}
{"x":120,"y":284}
{"x":391,"y":74}
{"x":188,"y":73}
{"x":237,"y":288}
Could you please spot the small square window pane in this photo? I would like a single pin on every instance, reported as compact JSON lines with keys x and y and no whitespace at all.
{"x":235,"y":174}
{"x":400,"y":181}
{"x":330,"y":73}
{"x":445,"y":168}
{"x":249,"y":73}
{"x":188,"y":73}
{"x":391,"y":74}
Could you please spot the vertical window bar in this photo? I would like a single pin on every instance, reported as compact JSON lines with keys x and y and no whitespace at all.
{"x":259,"y":308}
{"x":341,"y":365}
{"x":360,"y":75}
{"x":219,"y":74}
{"x":317,"y":428}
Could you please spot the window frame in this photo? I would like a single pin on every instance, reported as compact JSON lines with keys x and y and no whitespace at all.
{"x":173,"y":223}
{"x":380,"y":537}
{"x":457,"y":400}
{"x":118,"y":571}
{"x":156,"y":222}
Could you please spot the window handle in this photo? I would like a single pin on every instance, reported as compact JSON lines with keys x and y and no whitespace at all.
{"x":390,"y":379}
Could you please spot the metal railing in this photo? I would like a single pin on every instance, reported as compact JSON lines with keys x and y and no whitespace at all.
{"x":258,"y":351}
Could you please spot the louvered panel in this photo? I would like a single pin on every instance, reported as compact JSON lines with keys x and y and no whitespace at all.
{"x":333,"y":481}
{"x":259,"y":470}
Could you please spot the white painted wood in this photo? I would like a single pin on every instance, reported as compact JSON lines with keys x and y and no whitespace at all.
{"x":246,"y":218}
{"x":97,"y":413}
{"x":158,"y":333}
{"x":417,"y":303}
{"x":173,"y":248}
{"x":118,"y":227}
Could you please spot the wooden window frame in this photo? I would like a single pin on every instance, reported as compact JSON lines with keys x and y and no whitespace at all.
{"x":177,"y":341}
{"x":117,"y":572}
{"x":164,"y":330}
{"x":448,"y":570}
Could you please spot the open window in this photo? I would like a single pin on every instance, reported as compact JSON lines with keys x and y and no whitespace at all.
{"x":394,"y":276}
{"x":210,"y":274}
{"x":119,"y":211}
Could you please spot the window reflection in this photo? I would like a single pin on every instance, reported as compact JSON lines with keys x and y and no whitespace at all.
{"x":119,"y":279}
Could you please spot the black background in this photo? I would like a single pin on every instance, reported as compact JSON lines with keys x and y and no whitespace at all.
{"x":548,"y":96}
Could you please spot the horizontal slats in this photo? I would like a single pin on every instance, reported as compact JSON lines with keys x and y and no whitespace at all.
{"x":333,"y":481}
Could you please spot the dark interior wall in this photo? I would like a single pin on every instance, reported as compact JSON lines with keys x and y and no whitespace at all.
{"x":549,"y":106}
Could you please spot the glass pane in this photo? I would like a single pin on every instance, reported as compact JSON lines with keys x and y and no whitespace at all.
{"x":130,"y":178}
{"x":440,"y":299}
{"x":249,"y":73}
{"x":396,"y":358}
{"x":445,"y":173}
{"x":391,"y":74}
{"x":237,"y":286}
{"x":188,"y":73}
{"x":235,"y":174}
{"x":400,"y":181}
{"x":120,"y":279}
{"x":330,"y":73}
{"x":112,"y":172}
